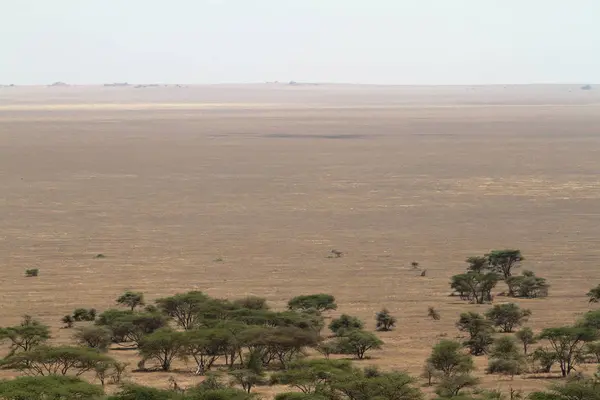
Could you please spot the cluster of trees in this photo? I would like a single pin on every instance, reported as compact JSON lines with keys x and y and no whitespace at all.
{"x":484,"y":272}
{"x":243,"y":343}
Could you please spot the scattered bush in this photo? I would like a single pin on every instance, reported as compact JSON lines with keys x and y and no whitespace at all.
{"x":68,"y":321}
{"x":505,"y":358}
{"x":32,"y":272}
{"x":344,"y":324}
{"x":527,"y":286}
{"x":385,"y":321}
{"x":433,"y":314}
{"x":319,"y":302}
{"x":83,"y":314}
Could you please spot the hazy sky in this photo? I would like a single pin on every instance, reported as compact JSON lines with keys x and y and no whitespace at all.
{"x":354,"y":41}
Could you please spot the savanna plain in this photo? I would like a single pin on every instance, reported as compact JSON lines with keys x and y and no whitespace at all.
{"x":245,"y":190}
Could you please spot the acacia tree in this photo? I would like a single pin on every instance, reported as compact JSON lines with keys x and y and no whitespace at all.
{"x":358,"y":342}
{"x":345,"y":323}
{"x":48,"y":387}
{"x":477,"y":264}
{"x":479,"y":330}
{"x":449,"y":360}
{"x":594,"y":294}
{"x":567,"y":343}
{"x":385,"y":320}
{"x":318,"y":302}
{"x":505,"y":357}
{"x":184,"y":308}
{"x":95,"y":337}
{"x":527,"y":285}
{"x":131,"y":299}
{"x":162,"y":346}
{"x":503,"y":261}
{"x":474,"y":286}
{"x":62,"y":360}
{"x":311,"y":376}
{"x":507,"y":316}
{"x":372,"y":384}
{"x":25,"y":336}
{"x":526,"y":337}
{"x":205,"y":346}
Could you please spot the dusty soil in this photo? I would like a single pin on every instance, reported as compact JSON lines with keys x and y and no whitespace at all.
{"x":270,"y":178}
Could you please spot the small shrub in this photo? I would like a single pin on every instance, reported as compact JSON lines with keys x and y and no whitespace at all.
{"x":32,"y":272}
{"x":68,"y":321}
{"x":385,"y":321}
{"x":344,"y":324}
{"x":433,"y":314}
{"x":99,"y":256}
{"x":83,"y":314}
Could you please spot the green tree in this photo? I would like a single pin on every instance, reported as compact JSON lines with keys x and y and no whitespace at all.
{"x":319,"y":302}
{"x":184,"y":308}
{"x":95,"y":337}
{"x":83,"y":314}
{"x":479,"y":330}
{"x":68,"y":321}
{"x":526,"y":337}
{"x":477,"y":264}
{"x":572,"y":389}
{"x":162,"y":346}
{"x":594,"y":294}
{"x":25,"y":336}
{"x":251,"y":303}
{"x":451,"y":386}
{"x":62,"y":360}
{"x":311,"y":376}
{"x":567,"y":342}
{"x":507,"y":316}
{"x":385,"y":320}
{"x":475,"y":287}
{"x":448,"y":358}
{"x":384,"y":386}
{"x":252,"y":373}
{"x":593,"y":349}
{"x":205,"y":346}
{"x":591,"y":319}
{"x":345,"y":323}
{"x":544,"y":359}
{"x":52,"y":387}
{"x":503,"y":261}
{"x":505,"y":358}
{"x":358,"y":342}
{"x":138,"y":392}
{"x":527,"y":286}
{"x":131,"y":299}
{"x":129,"y":326}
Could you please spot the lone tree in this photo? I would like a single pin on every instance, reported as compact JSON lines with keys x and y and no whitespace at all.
{"x":568,"y":342}
{"x":507,"y":316}
{"x":385,"y":321}
{"x":526,"y":337}
{"x":474,"y":286}
{"x":503,"y":261}
{"x":345,"y":323}
{"x":594,"y":294}
{"x":317,"y":302}
{"x":131,"y":299}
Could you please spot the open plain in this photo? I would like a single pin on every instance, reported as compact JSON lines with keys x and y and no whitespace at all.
{"x":238,"y":190}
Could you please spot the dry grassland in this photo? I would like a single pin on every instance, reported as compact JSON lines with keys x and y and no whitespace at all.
{"x":165,"y":181}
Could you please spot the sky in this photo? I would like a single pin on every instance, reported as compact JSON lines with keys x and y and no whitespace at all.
{"x":341,"y":41}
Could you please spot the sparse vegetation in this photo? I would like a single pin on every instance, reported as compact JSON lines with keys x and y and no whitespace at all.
{"x":433,"y":314}
{"x":32,"y":272}
{"x":385,"y":321}
{"x":317,"y":302}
